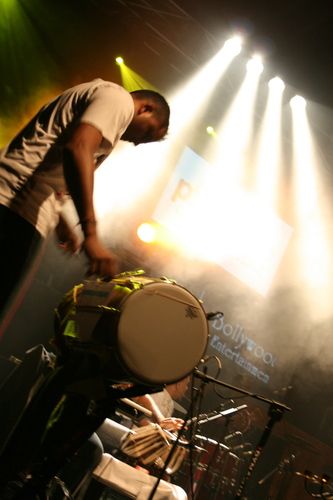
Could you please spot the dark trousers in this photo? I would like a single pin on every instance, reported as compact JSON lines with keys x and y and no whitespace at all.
{"x":20,"y":243}
{"x":76,"y":473}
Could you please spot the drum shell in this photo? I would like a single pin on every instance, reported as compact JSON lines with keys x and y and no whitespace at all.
{"x":147,"y":331}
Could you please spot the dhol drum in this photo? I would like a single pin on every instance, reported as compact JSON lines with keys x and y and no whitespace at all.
{"x":144,"y":330}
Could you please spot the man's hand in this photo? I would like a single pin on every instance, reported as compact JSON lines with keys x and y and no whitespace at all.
{"x":171,"y":423}
{"x":67,"y":238}
{"x":102,"y":262}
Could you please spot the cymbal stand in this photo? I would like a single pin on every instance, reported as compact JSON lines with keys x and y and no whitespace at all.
{"x":275,"y":414}
{"x":285,"y":465}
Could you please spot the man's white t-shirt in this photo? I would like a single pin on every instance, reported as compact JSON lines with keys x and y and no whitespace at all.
{"x":32,"y":183}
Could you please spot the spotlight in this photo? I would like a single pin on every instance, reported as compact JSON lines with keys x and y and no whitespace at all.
{"x":146,"y":232}
{"x":276,"y":84}
{"x":298,"y":102}
{"x":210,"y":131}
{"x":233,"y":45}
{"x":255,"y":65}
{"x":119,"y":60}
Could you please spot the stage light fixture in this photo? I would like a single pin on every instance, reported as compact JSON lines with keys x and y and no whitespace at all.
{"x":210,"y":131}
{"x":146,"y":232}
{"x":276,"y":84}
{"x":233,"y":45}
{"x":255,"y":65}
{"x":298,"y":101}
{"x":119,"y":60}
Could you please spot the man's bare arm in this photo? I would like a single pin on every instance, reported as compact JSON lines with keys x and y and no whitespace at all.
{"x":79,"y":168}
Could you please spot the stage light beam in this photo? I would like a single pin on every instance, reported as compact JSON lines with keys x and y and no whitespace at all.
{"x":188,"y":103}
{"x":233,"y":46}
{"x":315,"y":266}
{"x":130,"y":79}
{"x":269,"y":146}
{"x":236,"y":127}
{"x":255,"y":65}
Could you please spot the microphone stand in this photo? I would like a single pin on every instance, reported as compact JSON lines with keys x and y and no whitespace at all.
{"x":197,"y":400}
{"x":275,"y":413}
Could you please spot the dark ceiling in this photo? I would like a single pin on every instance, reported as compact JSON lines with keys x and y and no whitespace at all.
{"x":50,"y":45}
{"x":296,"y":37}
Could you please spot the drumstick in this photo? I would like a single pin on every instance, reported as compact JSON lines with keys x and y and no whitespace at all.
{"x":144,"y":410}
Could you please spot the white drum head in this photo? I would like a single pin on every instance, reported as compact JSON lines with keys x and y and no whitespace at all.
{"x":162,"y":332}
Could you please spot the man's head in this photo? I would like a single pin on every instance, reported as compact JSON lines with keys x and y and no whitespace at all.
{"x":151,"y":118}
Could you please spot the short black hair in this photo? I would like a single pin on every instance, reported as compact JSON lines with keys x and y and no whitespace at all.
{"x":163,"y":108}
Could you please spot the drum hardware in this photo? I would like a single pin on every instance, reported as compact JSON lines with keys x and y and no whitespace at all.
{"x":275,"y":414}
{"x":236,"y":442}
{"x":243,"y":450}
{"x":213,"y":442}
{"x":216,"y":470}
{"x":200,"y":417}
{"x":307,"y":474}
{"x":214,"y":315}
{"x":175,"y":437}
{"x":233,"y":435}
{"x":285,"y":465}
{"x":224,"y":413}
{"x":205,"y":439}
{"x":317,"y":486}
